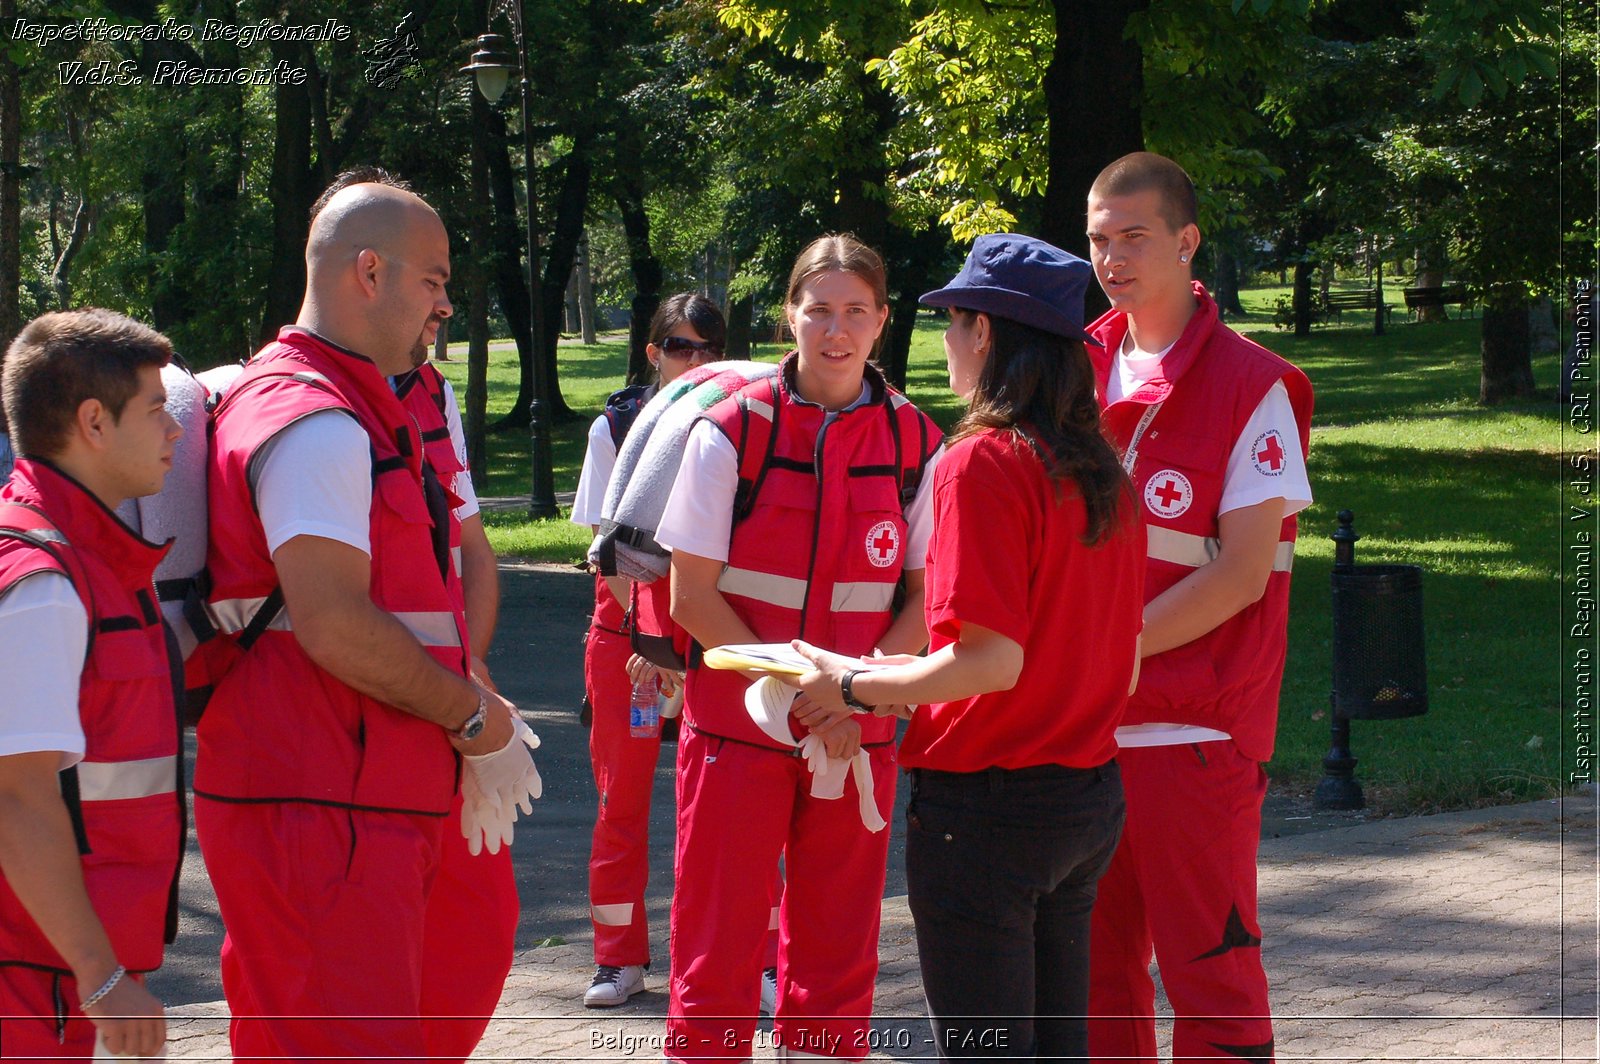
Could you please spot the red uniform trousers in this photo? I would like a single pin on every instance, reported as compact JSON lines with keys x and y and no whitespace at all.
{"x":740,"y":807}
{"x":29,"y":1003}
{"x":324,"y":908}
{"x":468,"y":936}
{"x":624,"y":771}
{"x":1183,"y":879}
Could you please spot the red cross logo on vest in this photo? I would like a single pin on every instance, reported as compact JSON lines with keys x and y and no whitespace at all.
{"x":883,"y":544}
{"x":1267,"y":453}
{"x":1168,"y":493}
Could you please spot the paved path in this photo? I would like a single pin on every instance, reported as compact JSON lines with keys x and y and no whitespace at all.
{"x":1465,"y":936}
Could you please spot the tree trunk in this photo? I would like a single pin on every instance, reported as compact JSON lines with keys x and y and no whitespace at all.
{"x":572,"y":203}
{"x":10,"y":193}
{"x":289,"y":189}
{"x":896,"y":349}
{"x":1225,"y":283}
{"x":61,"y":272}
{"x":510,"y":282}
{"x":586,"y":307}
{"x":739,"y":314}
{"x":1302,"y":297}
{"x":647,"y":275}
{"x":1093,"y":91}
{"x":1507,"y":367}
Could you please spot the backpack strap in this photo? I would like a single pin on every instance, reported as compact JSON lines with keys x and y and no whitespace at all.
{"x":20,"y":521}
{"x":25,"y":523}
{"x":906,"y":420}
{"x":756,"y":445}
{"x":622,"y":409}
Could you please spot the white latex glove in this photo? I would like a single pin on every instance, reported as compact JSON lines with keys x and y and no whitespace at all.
{"x":495,"y":786}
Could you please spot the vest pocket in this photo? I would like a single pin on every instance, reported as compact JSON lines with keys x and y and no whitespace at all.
{"x":126,"y":655}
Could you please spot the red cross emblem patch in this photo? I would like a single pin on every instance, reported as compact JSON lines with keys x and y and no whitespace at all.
{"x":883,"y":544}
{"x":1267,"y":453}
{"x":1168,"y":493}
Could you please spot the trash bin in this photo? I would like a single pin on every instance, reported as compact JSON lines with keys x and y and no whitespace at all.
{"x":1379,"y":664}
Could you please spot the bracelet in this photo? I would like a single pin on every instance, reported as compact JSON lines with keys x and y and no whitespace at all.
{"x":105,"y":988}
{"x":847,"y":694}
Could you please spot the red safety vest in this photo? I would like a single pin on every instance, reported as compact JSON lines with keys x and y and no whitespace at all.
{"x":819,"y":534}
{"x":124,"y":793}
{"x":1181,"y":435}
{"x":279,"y":727}
{"x":422,"y":393}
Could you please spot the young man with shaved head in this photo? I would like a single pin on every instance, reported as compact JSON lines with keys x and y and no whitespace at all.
{"x":329,"y":752}
{"x":1214,"y":430}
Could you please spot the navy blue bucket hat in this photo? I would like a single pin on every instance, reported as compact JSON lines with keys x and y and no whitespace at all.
{"x":1022,"y":278}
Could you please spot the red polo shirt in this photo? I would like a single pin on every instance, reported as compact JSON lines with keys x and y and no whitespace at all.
{"x":1007,"y":555}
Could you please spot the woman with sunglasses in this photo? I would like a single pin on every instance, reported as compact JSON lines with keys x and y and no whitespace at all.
{"x":687,"y":330}
{"x":1034,"y":604}
{"x":788,"y":519}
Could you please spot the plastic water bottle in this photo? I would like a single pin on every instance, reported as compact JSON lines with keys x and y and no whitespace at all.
{"x":644,"y":710}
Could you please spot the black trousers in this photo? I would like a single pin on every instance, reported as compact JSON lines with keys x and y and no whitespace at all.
{"x":1001,"y":869}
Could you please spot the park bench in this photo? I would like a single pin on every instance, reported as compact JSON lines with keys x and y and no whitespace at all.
{"x":1424,"y":298}
{"x":1355,"y":299}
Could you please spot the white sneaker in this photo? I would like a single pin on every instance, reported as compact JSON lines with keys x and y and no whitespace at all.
{"x":769,"y":991}
{"x":613,"y":985}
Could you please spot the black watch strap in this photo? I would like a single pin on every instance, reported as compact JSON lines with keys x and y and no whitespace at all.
{"x":845,"y":685}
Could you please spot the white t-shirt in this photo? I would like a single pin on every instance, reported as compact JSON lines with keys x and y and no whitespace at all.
{"x":314,"y":478}
{"x":1266,"y":462}
{"x":44,"y":634}
{"x":599,"y":459}
{"x":698,"y":518}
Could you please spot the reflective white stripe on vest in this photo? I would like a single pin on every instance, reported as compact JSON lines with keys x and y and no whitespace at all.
{"x":1183,"y":548}
{"x":234,"y":615}
{"x":785,"y":591}
{"x":432,"y":629}
{"x":111,"y":781}
{"x":455,"y":556}
{"x":759,"y":406}
{"x":862,"y":597}
{"x":618,"y":915}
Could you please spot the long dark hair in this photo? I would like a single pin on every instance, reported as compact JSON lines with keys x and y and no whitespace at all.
{"x":1040,"y":386}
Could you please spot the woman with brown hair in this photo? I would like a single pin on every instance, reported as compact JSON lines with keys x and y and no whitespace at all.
{"x":799,"y":506}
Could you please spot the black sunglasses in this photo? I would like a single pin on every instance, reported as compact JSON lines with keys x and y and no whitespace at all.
{"x":682,"y":347}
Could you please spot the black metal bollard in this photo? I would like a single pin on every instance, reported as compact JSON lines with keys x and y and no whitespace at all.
{"x":1379,"y":662}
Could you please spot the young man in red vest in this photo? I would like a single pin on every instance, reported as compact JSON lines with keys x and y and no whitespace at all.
{"x":1214,"y":429}
{"x":91,"y":821}
{"x":327,"y":768}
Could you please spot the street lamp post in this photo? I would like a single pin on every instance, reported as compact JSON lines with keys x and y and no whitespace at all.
{"x":491,"y":65}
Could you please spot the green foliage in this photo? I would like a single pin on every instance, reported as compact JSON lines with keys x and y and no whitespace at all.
{"x":973,"y":75}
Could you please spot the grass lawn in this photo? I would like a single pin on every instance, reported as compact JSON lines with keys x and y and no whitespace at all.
{"x":1469,"y":494}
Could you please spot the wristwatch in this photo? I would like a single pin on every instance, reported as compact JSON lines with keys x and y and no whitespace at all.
{"x":474,"y":724}
{"x":849,"y":696}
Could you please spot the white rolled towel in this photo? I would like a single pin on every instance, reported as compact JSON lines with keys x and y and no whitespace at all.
{"x":648,"y":462}
{"x":768,"y":701}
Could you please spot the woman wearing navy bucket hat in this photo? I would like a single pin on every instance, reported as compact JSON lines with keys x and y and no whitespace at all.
{"x":1034,"y":594}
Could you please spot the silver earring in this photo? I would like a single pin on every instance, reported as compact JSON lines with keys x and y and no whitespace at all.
{"x":1183,"y":258}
